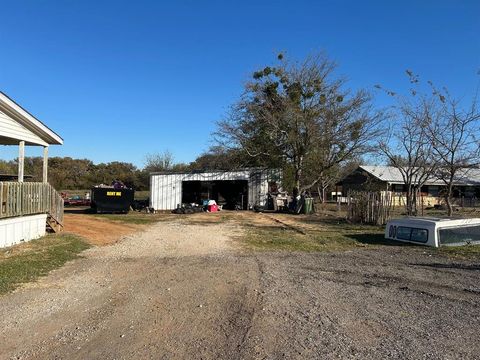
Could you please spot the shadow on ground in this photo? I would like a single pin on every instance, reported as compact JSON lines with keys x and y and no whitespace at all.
{"x":376,"y":239}
{"x":473,"y":267}
{"x":77,"y":210}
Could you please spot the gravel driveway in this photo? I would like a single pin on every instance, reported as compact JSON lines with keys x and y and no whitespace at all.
{"x":180,"y":290}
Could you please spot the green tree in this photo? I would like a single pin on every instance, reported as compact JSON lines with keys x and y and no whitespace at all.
{"x":220,"y":158}
{"x":293,"y":112}
{"x":7,"y":167}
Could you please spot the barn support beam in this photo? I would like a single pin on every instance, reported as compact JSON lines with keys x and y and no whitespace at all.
{"x":21,"y":160}
{"x":45,"y":165}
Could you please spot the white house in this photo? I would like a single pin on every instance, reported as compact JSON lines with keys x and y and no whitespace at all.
{"x":26,"y":208}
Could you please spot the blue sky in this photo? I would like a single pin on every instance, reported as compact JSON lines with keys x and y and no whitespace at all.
{"x":121,"y":79}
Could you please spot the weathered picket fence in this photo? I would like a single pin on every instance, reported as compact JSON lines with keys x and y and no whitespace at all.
{"x":369,"y":207}
{"x":29,"y":198}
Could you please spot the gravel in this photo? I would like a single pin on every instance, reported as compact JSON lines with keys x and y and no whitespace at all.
{"x":180,"y":290}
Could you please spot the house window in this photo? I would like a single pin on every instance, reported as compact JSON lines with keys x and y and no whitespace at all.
{"x":433,"y":190}
{"x":469,"y":192}
{"x":398,"y":188}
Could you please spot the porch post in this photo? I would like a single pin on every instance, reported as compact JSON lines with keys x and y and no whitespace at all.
{"x":45,"y":164}
{"x":21,"y":160}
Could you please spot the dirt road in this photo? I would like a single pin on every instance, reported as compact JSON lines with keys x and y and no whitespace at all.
{"x":189,"y":290}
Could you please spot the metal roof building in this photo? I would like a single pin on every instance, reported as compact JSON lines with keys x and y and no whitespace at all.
{"x":374,"y":177}
{"x":389,"y":174}
{"x":244,"y":187}
{"x":392,"y":175}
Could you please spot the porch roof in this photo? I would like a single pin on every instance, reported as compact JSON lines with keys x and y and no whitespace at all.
{"x":17,"y":124}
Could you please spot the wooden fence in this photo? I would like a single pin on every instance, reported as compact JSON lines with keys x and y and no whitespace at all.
{"x":30,"y":198}
{"x":369,"y":207}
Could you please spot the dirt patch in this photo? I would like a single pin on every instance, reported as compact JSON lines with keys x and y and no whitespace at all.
{"x":184,"y":289}
{"x":97,"y":231}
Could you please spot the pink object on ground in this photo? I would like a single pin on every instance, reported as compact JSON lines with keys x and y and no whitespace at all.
{"x":212,"y":208}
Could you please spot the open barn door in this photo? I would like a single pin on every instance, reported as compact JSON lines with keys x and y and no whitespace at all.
{"x":231,"y":194}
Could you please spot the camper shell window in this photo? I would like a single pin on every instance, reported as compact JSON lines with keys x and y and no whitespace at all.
{"x":459,"y":235}
{"x":403,"y":233}
{"x":412,"y":234}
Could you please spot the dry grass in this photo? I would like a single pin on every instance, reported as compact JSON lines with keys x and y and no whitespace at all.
{"x":468,"y":252}
{"x":322,"y":236}
{"x":133,"y":217}
{"x":324,"y":232}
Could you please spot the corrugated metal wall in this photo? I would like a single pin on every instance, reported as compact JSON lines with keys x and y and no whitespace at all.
{"x":166,"y":189}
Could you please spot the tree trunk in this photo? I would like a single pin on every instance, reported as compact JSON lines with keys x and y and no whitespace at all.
{"x":320,"y":194}
{"x":414,"y":202}
{"x":296,"y":189}
{"x":448,"y":195}
{"x":410,"y":201}
{"x":298,"y":174}
{"x":448,"y":200}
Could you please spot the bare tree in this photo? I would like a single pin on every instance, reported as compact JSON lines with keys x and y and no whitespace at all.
{"x":455,"y":143}
{"x":323,"y":180}
{"x":322,"y":186}
{"x":159,"y":161}
{"x":408,"y":146}
{"x":296,"y":111}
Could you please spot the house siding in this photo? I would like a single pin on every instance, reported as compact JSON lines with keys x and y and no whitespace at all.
{"x":11,"y":129}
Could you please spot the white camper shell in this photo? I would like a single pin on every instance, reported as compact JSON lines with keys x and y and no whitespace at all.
{"x":434,"y":231}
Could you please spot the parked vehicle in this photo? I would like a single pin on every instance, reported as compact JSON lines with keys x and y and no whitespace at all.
{"x":76,"y":200}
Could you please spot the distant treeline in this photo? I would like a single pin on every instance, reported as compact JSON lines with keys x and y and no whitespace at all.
{"x":66,"y":173}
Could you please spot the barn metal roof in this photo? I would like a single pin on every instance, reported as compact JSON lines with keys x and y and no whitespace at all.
{"x":392,"y":175}
{"x":388,"y":174}
{"x":210,"y":171}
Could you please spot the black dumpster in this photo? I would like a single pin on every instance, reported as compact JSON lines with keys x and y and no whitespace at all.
{"x":110,"y":200}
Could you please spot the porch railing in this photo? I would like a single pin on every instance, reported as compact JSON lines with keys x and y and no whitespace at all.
{"x":30,"y":198}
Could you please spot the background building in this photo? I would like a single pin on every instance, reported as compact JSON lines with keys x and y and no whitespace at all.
{"x":245,"y":187}
{"x":389,"y":178}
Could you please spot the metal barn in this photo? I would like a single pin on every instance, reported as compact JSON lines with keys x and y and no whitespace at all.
{"x":247,"y":187}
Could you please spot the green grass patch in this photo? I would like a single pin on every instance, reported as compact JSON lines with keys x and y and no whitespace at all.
{"x":26,"y":262}
{"x":328,"y":237}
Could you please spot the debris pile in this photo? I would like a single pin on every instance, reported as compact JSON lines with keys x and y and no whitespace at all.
{"x":207,"y":206}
